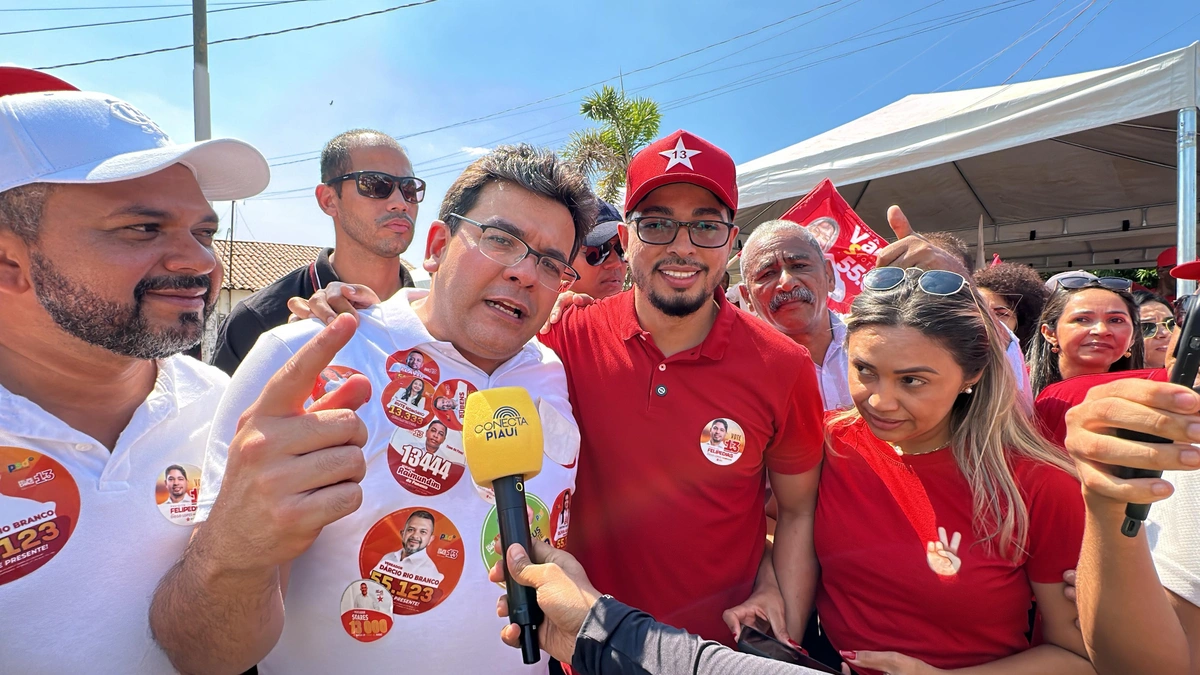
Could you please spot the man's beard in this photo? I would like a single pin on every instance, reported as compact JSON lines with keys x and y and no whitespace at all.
{"x":119,"y":328}
{"x":363,"y":232}
{"x":677,"y":304}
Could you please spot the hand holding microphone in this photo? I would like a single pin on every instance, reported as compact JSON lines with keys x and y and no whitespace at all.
{"x":502,"y":439}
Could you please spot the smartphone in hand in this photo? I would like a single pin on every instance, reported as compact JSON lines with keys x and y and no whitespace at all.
{"x":753,"y":641}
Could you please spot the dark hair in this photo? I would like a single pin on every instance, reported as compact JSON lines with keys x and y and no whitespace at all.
{"x":535,"y":169}
{"x":1021,"y":281}
{"x":421,"y":513}
{"x":1043,"y":363}
{"x":1144,"y":297}
{"x":175,"y":467}
{"x":436,"y":421}
{"x":723,"y":423}
{"x":21,"y":209}
{"x":953,"y":245}
{"x":335,"y":158}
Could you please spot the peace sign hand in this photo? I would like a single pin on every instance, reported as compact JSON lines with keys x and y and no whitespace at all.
{"x":943,"y":554}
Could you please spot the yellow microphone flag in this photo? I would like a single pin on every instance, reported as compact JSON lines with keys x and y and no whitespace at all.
{"x":502,"y":435}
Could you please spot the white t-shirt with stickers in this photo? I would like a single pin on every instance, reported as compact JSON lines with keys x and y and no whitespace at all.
{"x":83,"y":539}
{"x":443,"y":622}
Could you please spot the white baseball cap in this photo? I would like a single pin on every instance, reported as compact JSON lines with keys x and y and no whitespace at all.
{"x":88,"y":137}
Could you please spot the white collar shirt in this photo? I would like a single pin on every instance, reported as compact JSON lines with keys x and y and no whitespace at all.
{"x":833,"y":373}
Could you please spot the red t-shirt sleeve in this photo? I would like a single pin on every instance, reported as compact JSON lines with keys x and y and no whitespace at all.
{"x":799,"y":442}
{"x":1056,"y":516}
{"x":1051,"y":413}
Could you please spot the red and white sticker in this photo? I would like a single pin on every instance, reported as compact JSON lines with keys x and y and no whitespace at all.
{"x":722,"y":441}
{"x":330,"y":379}
{"x":450,"y":402}
{"x":560,"y":519}
{"x":416,"y":554}
{"x":427,"y":461}
{"x":176,"y":491}
{"x":414,"y":363}
{"x":406,"y":401}
{"x":39,"y":509}
{"x":366,"y":610}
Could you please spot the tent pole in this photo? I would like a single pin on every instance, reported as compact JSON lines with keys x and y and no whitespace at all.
{"x":1186,"y":203}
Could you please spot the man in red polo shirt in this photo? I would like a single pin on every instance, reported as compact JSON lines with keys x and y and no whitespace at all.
{"x":664,"y":517}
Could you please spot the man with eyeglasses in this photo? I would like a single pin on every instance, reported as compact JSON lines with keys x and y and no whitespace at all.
{"x":368,"y":189}
{"x":601,"y":261}
{"x":668,"y":359}
{"x":293,"y":517}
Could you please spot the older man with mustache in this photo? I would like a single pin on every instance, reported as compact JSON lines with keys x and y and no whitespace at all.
{"x":368,"y":188}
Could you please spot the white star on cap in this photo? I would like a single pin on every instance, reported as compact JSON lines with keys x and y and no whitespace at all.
{"x":679,"y":155}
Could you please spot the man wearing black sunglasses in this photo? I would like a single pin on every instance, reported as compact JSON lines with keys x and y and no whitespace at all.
{"x":601,"y":261}
{"x":368,"y":189}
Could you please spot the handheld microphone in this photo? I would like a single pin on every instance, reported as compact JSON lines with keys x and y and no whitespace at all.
{"x":502,"y":439}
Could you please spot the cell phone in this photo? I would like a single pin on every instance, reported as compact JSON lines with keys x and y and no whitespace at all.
{"x":1187,"y":363}
{"x":754,"y":641}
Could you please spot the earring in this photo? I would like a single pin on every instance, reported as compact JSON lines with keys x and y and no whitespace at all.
{"x":1054,"y":349}
{"x":1129,"y":354}
{"x":968,"y":390}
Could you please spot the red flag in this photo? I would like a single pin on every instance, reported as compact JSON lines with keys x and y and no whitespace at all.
{"x":844,"y":237}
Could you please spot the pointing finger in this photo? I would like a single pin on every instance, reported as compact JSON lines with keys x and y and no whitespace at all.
{"x":285,"y":393}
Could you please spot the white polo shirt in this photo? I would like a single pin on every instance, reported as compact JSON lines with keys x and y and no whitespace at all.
{"x":833,"y":374}
{"x":438,"y":623}
{"x":76,"y":579}
{"x":1174,"y":536}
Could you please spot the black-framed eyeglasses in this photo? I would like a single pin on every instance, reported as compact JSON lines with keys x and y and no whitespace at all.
{"x":596,"y":255}
{"x":661,"y":231}
{"x":1150,"y":330}
{"x":1111,"y":283}
{"x":501,"y":246}
{"x":933,"y":282}
{"x":380,"y":185}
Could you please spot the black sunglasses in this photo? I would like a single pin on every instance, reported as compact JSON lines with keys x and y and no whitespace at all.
{"x":596,"y":255}
{"x":379,"y":185}
{"x":933,"y":282}
{"x":1111,"y":283}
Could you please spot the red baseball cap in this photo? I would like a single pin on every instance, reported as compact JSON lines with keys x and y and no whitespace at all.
{"x":1188,"y":270}
{"x":16,"y":80}
{"x":1166,"y":258}
{"x":682,"y":157}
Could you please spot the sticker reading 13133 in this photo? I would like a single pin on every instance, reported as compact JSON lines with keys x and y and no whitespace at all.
{"x":39,"y":509}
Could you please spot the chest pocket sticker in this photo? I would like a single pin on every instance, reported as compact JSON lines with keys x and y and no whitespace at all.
{"x":39,"y":510}
{"x":722,"y":441}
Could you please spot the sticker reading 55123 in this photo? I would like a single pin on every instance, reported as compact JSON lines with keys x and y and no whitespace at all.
{"x":39,"y":507}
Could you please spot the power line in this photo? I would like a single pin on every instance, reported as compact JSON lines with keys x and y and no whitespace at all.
{"x":1068,"y":44}
{"x":982,"y":65}
{"x":1047,"y":42}
{"x":49,"y":29}
{"x":1160,"y":37}
{"x":244,"y":37}
{"x":110,"y":7}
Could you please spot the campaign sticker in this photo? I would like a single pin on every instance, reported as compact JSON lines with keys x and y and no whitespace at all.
{"x":722,"y":441}
{"x":450,"y":402}
{"x":39,"y":508}
{"x":427,"y":461}
{"x":417,"y":555}
{"x":366,"y":610}
{"x":176,"y":491}
{"x":560,"y":519}
{"x":330,"y":379}
{"x":406,"y":401}
{"x":539,"y":528}
{"x":413,"y":363}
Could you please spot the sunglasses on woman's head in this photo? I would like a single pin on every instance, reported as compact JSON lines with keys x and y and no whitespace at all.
{"x":933,"y":282}
{"x":596,"y":255}
{"x":1111,"y":283}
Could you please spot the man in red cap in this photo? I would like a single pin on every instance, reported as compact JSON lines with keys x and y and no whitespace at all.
{"x":685,"y":405}
{"x":1166,"y":277}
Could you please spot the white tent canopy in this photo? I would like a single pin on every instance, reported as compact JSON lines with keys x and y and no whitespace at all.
{"x":1068,"y":172}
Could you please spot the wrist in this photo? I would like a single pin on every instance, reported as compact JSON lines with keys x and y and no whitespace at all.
{"x":1103,"y":507}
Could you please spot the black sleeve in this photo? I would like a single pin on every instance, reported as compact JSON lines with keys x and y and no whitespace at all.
{"x":238,"y":333}
{"x":616,"y":639}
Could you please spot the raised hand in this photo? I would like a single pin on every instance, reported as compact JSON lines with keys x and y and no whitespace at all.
{"x":327,"y":303}
{"x":943,"y":554}
{"x":565,"y":300}
{"x":912,"y":250}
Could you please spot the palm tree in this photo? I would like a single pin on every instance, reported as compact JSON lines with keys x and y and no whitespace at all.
{"x":603,"y":153}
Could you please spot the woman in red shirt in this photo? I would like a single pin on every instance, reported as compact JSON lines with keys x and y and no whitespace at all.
{"x":941,"y":511}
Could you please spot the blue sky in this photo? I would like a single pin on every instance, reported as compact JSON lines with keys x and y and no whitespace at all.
{"x":414,"y":70}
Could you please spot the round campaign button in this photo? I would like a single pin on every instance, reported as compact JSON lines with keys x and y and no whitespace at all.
{"x":560,"y":519}
{"x":39,"y":509}
{"x":539,"y":523}
{"x":417,"y":555}
{"x":450,"y":402}
{"x":330,"y":379}
{"x":722,"y":441}
{"x":413,"y":362}
{"x":406,"y":401}
{"x":427,"y":461}
{"x":366,"y":610}
{"x":176,"y":492}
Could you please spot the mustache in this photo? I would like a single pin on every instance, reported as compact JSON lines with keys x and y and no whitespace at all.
{"x":171,"y":283}
{"x":676,"y":260}
{"x":393,"y":216}
{"x":799,"y":293}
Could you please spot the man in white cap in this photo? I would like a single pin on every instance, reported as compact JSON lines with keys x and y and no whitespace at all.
{"x":107,"y":273}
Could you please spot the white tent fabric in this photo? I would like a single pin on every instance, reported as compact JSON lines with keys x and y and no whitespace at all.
{"x":1067,"y":172}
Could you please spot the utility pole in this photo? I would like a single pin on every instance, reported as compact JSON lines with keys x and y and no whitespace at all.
{"x":200,"y":103}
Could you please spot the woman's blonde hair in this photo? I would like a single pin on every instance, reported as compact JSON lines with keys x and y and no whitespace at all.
{"x":989,"y":427}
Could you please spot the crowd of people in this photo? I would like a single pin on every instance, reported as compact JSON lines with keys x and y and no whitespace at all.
{"x":936,"y":468}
